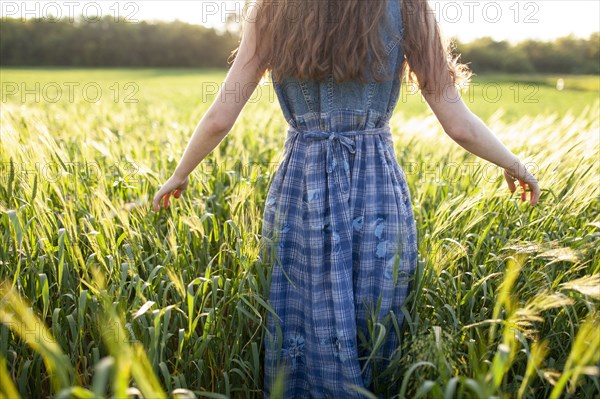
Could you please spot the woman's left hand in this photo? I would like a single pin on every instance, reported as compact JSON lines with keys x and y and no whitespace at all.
{"x":174,"y":186}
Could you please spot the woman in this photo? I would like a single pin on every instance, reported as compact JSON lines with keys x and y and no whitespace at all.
{"x":338,"y":226}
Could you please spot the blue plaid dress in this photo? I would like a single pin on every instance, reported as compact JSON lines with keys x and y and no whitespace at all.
{"x":342,"y":244}
{"x":339,"y":235}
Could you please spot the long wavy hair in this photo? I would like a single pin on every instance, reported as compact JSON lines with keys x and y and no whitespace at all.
{"x":310,"y":39}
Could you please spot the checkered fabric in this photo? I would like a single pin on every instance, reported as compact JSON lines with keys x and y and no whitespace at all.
{"x":339,"y":233}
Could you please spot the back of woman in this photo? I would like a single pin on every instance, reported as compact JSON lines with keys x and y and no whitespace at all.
{"x":329,"y":105}
{"x":338,"y":214}
{"x":338,"y":228}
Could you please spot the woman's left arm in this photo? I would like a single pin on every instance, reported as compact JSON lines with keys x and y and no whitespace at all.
{"x":240,"y":83}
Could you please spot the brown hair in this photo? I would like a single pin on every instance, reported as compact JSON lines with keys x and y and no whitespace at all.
{"x":309,"y":39}
{"x":427,"y":53}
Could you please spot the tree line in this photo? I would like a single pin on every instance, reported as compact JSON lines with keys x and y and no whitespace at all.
{"x":109,"y":43}
{"x":568,"y":55}
{"x":114,"y":43}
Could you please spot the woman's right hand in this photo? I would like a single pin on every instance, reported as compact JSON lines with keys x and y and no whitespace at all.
{"x":526,"y":181}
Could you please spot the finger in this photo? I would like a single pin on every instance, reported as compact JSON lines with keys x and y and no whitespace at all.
{"x":524,"y":193}
{"x":166,"y":200}
{"x":535,"y":195}
{"x":511,"y":183}
{"x":156,"y":201}
{"x":177,"y":193}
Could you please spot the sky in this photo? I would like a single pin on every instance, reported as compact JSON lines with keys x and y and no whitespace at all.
{"x":512,"y":20}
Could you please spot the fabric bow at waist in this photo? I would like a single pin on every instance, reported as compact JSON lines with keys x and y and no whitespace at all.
{"x":330,"y":137}
{"x":343,"y":139}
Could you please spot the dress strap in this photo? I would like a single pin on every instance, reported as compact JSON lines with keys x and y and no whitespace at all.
{"x":385,"y":129}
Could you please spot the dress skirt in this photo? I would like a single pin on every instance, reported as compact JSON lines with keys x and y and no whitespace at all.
{"x":339,"y":236}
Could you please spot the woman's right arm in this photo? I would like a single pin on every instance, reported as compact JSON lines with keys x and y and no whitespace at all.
{"x":468,"y":131}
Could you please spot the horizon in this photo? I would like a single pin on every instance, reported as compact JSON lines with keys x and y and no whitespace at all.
{"x":512,"y":21}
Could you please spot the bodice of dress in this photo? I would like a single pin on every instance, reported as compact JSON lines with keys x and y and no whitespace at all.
{"x":333,"y":106}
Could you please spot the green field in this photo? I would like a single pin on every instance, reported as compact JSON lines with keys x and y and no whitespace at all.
{"x":125,"y":300}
